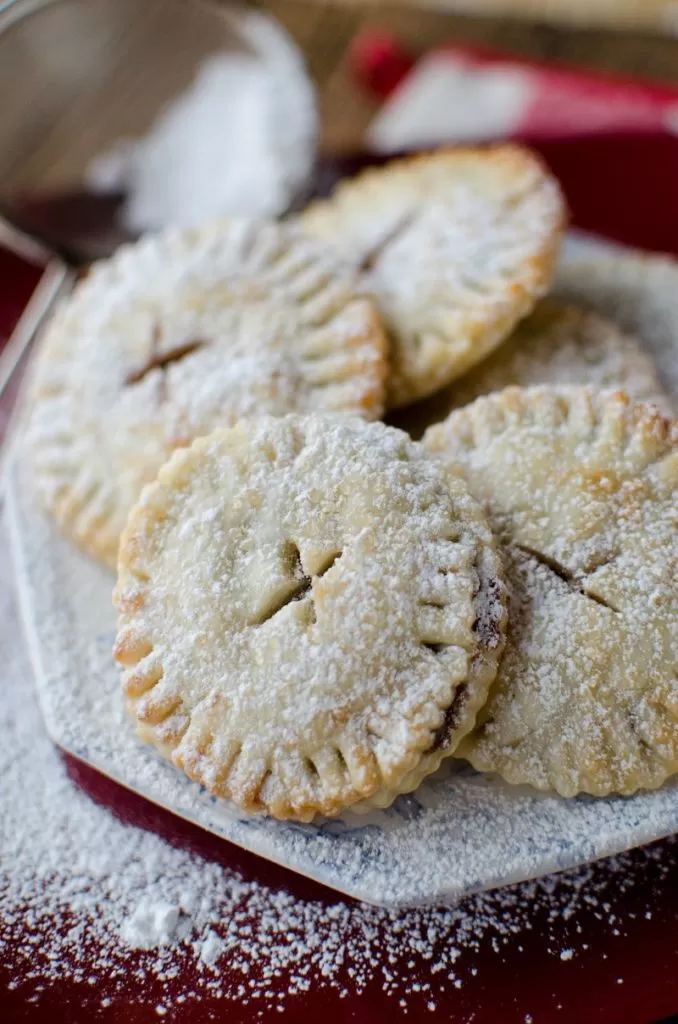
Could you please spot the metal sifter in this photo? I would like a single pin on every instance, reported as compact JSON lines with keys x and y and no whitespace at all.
{"x":120,"y":116}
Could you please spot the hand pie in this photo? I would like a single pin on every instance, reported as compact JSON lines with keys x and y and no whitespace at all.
{"x":179,"y":334}
{"x":582,"y":489}
{"x":456,"y":246}
{"x":559,"y":345}
{"x":311,"y":613}
{"x":639,"y":291}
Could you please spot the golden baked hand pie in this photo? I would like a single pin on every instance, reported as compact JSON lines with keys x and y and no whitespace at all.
{"x":639,"y":291}
{"x":179,"y":334}
{"x":582,"y":489}
{"x":456,"y":246}
{"x":311,"y":613}
{"x":556,"y":344}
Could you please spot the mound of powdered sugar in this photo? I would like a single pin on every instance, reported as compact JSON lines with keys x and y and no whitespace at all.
{"x":81,"y":889}
{"x":240,"y":139}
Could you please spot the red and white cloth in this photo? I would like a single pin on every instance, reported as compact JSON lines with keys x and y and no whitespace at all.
{"x":612,"y":142}
{"x":459,"y":93}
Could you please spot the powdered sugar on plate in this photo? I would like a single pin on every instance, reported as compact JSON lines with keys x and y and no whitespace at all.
{"x":83,"y":890}
{"x":445,"y":841}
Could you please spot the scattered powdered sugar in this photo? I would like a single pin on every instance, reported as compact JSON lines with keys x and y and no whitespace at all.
{"x":181,"y":333}
{"x":558,"y":344}
{"x":211,"y":948}
{"x":584,"y":698}
{"x":81,"y":891}
{"x":300,"y":520}
{"x":153,"y":923}
{"x":636,"y":290}
{"x":449,"y":242}
{"x":438,"y":844}
{"x":565,"y":346}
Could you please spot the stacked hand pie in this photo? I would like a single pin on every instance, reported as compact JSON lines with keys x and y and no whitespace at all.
{"x":316,"y":610}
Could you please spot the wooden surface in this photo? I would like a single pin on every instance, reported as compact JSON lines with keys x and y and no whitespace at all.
{"x":64,"y":101}
{"x":324,"y":31}
{"x":623,"y":15}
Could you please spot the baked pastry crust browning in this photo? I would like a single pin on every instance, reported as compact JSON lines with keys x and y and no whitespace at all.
{"x":582,"y":489}
{"x":179,"y":334}
{"x":311,"y":614}
{"x":556,"y":345}
{"x":639,"y":291}
{"x":456,"y":246}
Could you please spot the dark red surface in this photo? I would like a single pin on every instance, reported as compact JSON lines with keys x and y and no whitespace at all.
{"x":624,"y":187}
{"x":526,"y":978}
{"x":76,"y":224}
{"x":380,"y":61}
{"x":621,"y":186}
{"x":17,"y":281}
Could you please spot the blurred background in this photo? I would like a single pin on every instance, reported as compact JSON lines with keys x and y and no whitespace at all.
{"x":119,"y":116}
{"x":628,"y":38}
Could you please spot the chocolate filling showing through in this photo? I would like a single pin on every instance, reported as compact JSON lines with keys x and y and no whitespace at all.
{"x":486,"y":626}
{"x":159,"y":360}
{"x":371,"y":258}
{"x":491,"y":611}
{"x":453,"y":715}
{"x":566,"y":576}
{"x":301,"y":583}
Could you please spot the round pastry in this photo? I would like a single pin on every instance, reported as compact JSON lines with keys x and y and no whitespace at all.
{"x":556,"y":344}
{"x":639,"y":291}
{"x":179,"y":334}
{"x":456,"y":246}
{"x":582,"y":489}
{"x":311,"y":613}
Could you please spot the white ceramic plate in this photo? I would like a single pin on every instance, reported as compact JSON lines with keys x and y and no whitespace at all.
{"x":459,"y":833}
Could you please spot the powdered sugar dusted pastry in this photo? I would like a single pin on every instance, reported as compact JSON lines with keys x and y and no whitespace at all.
{"x":582,"y":488}
{"x":181,"y":333}
{"x":456,"y":246}
{"x":311,"y":613}
{"x":637,"y":290}
{"x":556,"y":344}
